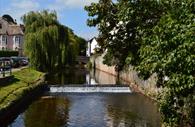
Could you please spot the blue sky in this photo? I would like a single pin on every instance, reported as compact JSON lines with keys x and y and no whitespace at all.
{"x":70,"y":12}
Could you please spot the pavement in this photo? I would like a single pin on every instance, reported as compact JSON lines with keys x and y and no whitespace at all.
{"x":7,"y":73}
{"x":19,"y":68}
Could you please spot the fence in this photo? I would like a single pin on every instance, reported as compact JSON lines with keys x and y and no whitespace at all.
{"x":5,"y":67}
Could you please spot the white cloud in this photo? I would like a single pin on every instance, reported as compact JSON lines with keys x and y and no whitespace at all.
{"x":24,"y":4}
{"x":77,"y":3}
{"x":19,"y":7}
{"x":62,"y":4}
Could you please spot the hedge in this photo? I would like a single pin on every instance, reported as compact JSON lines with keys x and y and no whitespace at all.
{"x":8,"y":53}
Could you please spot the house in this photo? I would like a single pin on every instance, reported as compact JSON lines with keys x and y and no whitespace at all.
{"x":11,"y":35}
{"x":91,"y":46}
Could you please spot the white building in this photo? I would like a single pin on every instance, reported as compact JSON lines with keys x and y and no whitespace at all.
{"x":91,"y":46}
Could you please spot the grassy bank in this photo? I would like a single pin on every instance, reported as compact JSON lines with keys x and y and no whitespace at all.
{"x":24,"y":81}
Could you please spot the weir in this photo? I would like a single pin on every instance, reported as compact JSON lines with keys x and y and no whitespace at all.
{"x":89,"y":89}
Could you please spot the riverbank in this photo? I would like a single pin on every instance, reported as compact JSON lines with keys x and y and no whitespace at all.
{"x":25,"y":82}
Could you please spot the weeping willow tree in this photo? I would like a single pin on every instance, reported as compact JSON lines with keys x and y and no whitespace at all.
{"x":48,"y":44}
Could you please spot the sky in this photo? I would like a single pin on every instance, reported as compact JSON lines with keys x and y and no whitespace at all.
{"x":70,"y":12}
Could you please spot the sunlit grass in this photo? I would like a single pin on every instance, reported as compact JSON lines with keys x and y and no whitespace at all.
{"x":24,"y":81}
{"x":27,"y":75}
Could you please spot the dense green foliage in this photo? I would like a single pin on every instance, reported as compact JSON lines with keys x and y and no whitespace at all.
{"x":119,"y":25}
{"x":82,"y":46}
{"x":155,"y":37}
{"x":48,"y":44}
{"x":8,"y":53}
{"x":170,"y":52}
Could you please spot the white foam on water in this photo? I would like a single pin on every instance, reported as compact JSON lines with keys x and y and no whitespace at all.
{"x":91,"y":89}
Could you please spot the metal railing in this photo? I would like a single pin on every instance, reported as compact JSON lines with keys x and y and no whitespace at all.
{"x":5,"y":67}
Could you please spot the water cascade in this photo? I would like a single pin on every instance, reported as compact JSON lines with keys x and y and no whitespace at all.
{"x":90,"y":89}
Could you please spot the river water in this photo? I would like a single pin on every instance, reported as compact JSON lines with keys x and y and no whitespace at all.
{"x":88,"y":110}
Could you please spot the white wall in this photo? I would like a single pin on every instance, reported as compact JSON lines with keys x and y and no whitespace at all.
{"x":91,"y":47}
{"x":88,"y":49}
{"x":94,"y":44}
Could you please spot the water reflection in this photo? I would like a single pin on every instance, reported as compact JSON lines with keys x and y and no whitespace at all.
{"x":81,"y":76}
{"x":48,"y":112}
{"x":102,"y":77}
{"x":90,"y":110}
{"x":68,"y":76}
{"x":132,"y":111}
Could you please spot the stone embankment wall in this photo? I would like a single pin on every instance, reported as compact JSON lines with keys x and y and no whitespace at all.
{"x":147,"y":87}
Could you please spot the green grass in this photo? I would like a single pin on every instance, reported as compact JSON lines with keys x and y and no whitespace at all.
{"x":24,"y":81}
{"x":27,"y":75}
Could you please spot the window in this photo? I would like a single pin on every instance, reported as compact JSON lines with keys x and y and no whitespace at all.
{"x":4,"y":39}
{"x":17,"y":40}
{"x":0,"y":26}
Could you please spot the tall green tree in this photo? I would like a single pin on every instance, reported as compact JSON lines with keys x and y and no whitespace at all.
{"x":169,"y":51}
{"x":120,"y":24}
{"x":48,"y":44}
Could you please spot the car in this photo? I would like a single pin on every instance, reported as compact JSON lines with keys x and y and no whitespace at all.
{"x":15,"y":62}
{"x":23,"y":62}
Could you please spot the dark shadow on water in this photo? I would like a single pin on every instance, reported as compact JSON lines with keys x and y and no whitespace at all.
{"x":68,"y":76}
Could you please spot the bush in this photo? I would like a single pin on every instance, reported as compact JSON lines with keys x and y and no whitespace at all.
{"x":8,"y":53}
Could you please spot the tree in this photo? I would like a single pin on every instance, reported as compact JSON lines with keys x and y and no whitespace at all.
{"x":169,"y":51}
{"x":120,"y":24}
{"x":48,"y":44}
{"x":82,"y":46}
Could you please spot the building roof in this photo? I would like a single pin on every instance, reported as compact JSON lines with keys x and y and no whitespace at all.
{"x":3,"y":31}
{"x":14,"y":30}
{"x":10,"y":28}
